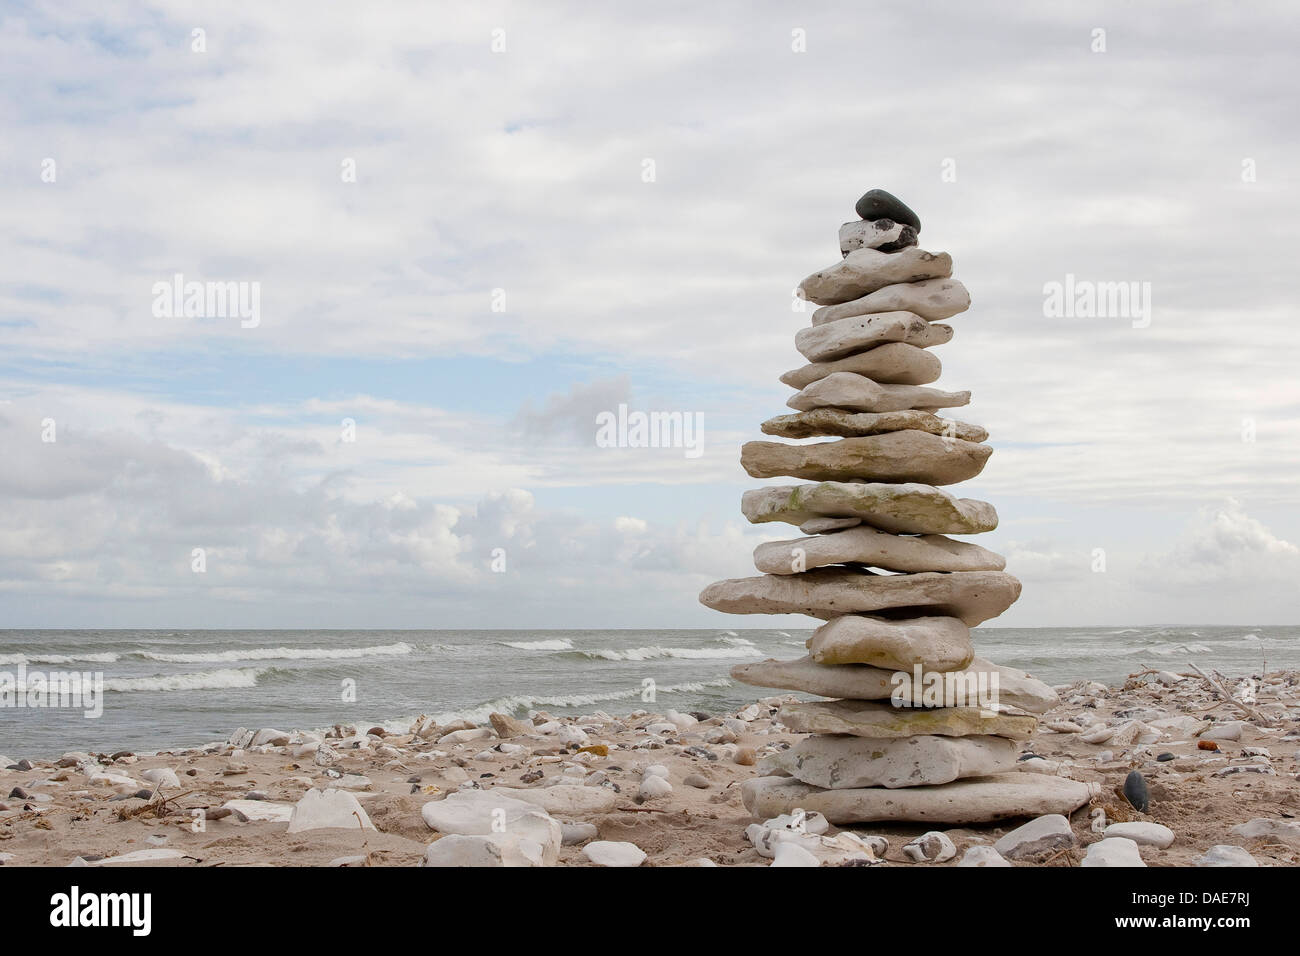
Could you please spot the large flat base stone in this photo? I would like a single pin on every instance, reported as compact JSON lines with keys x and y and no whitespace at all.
{"x":1002,"y":796}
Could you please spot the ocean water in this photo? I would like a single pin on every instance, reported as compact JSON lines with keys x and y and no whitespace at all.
{"x":182,"y":688}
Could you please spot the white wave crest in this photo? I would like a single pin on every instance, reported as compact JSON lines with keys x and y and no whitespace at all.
{"x":281,"y":653}
{"x":197,"y":680}
{"x":683,"y":653}
{"x":551,"y":644}
{"x":37,"y":658}
{"x":513,"y":704}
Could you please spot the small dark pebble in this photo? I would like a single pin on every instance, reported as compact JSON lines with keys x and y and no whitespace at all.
{"x":376,"y":732}
{"x":1165,"y":756}
{"x":415,"y":788}
{"x":699,"y":714}
{"x":413,"y":779}
{"x":23,"y":764}
{"x":1028,"y":757}
{"x":701,"y":752}
{"x":255,"y":795}
{"x":1135,"y":789}
{"x":483,"y":775}
{"x":878,"y":204}
{"x":531,"y":776}
{"x":122,"y":753}
{"x":18,"y":793}
{"x":143,"y":794}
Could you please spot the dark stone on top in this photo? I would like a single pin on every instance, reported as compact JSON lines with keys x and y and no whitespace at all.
{"x":1135,"y":789}
{"x":906,"y":238}
{"x":878,"y":204}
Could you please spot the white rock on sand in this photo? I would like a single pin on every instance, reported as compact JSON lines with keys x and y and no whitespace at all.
{"x":1146,"y":834}
{"x":1224,"y":854}
{"x":325,"y":809}
{"x":982,"y":856}
{"x":847,"y":762}
{"x":1037,"y":839}
{"x":979,"y":800}
{"x":614,"y":853}
{"x":1113,"y":852}
{"x":931,"y":847}
{"x":484,"y":850}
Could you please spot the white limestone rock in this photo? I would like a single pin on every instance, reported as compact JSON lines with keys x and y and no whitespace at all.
{"x":908,"y":508}
{"x":484,"y":850}
{"x":327,"y":809}
{"x":849,"y":762}
{"x":836,"y":421}
{"x":894,"y":363}
{"x":864,"y":333}
{"x":1037,"y":839}
{"x":982,"y":856}
{"x":973,"y":597}
{"x":1224,"y":854}
{"x":1146,"y":834}
{"x":893,"y":456}
{"x":614,"y":853}
{"x":859,"y":394}
{"x":977,"y":800}
{"x":876,"y":549}
{"x":867,"y":270}
{"x":932,"y":299}
{"x":1113,"y":852}
{"x":932,"y":847}
{"x":870,"y":718}
{"x":874,"y":233}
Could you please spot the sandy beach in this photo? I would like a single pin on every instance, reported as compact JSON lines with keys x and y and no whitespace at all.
{"x":1214,"y":768}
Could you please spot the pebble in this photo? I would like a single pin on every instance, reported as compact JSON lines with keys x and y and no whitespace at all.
{"x":654,"y":787}
{"x":1037,"y":839}
{"x":878,"y":204}
{"x":790,"y":853}
{"x":573,"y":834}
{"x":932,"y":847}
{"x":1146,"y":834}
{"x":1113,"y":852}
{"x":614,"y":853}
{"x":1137,"y":792}
{"x":746,"y":756}
{"x":699,"y":781}
{"x":1224,"y":854}
{"x":982,"y":856}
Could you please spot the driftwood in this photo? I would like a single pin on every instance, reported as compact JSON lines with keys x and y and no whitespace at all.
{"x":1246,"y":709}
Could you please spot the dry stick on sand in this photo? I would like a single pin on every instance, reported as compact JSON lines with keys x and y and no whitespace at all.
{"x":1250,"y":711}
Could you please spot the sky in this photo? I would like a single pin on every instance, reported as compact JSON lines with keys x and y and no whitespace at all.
{"x":474,"y":227}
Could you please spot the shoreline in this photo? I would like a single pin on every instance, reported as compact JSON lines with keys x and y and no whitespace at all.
{"x":594,"y":776}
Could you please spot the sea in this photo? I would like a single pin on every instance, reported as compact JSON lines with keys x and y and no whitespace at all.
{"x":176,"y":688}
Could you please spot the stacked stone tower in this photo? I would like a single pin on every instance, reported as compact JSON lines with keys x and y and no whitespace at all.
{"x":918,"y":727}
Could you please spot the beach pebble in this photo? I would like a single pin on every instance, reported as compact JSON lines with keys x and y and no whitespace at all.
{"x":614,"y":853}
{"x":1113,"y":852}
{"x":565,"y":799}
{"x":507,"y":726}
{"x":1274,"y":831}
{"x":745,"y":756}
{"x":1224,"y":730}
{"x":162,"y":777}
{"x":681,"y":721}
{"x":790,"y":853}
{"x":932,"y":847}
{"x":325,"y":756}
{"x":982,"y":856}
{"x":484,"y":850}
{"x":572,"y":834}
{"x":347,"y":861}
{"x":1147,"y":834}
{"x":1137,"y":792}
{"x":1036,"y":839}
{"x":749,"y":713}
{"x":653,"y":787}
{"x":1224,"y":854}
{"x":655,"y":770}
{"x":270,"y":737}
{"x":152,"y":857}
{"x":699,"y":781}
{"x":326,"y":809}
{"x":464,"y":736}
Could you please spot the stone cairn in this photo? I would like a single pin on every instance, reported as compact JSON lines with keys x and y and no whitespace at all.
{"x":898,"y":597}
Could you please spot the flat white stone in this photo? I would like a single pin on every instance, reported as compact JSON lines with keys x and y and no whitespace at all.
{"x":877,"y":549}
{"x":908,"y":508}
{"x":894,"y":363}
{"x":972,"y":597}
{"x":932,"y":847}
{"x":138,"y":857}
{"x":849,"y":762}
{"x":857,"y":393}
{"x":614,"y":853}
{"x":872,"y":234}
{"x":892,"y":456}
{"x":568,"y":799}
{"x":932,"y":299}
{"x":978,"y":800}
{"x":1146,"y":834}
{"x":877,"y":719}
{"x":867,"y":270}
{"x":864,"y":333}
{"x":1274,"y":831}
{"x":790,"y":853}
